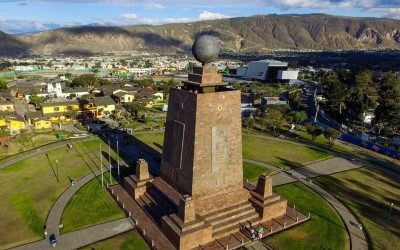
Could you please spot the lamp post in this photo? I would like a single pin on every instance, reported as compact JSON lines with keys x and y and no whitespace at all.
{"x":101,"y":168}
{"x":109,"y":159}
{"x":118,"y":160}
{"x":390,"y":213}
{"x":58,"y":177}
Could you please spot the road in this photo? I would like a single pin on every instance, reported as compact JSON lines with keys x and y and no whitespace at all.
{"x":310,"y":104}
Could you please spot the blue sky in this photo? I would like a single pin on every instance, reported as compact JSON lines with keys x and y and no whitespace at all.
{"x":22,"y":16}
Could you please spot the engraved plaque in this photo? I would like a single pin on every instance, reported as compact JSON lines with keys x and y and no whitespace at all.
{"x":219,"y":146}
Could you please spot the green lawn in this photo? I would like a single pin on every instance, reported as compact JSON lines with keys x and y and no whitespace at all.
{"x":91,"y":205}
{"x":279,"y":153}
{"x":368,"y":194}
{"x":29,"y":189}
{"x":325,"y":230}
{"x":154,"y":140}
{"x":251,"y":172}
{"x":131,"y":240}
{"x":38,"y":139}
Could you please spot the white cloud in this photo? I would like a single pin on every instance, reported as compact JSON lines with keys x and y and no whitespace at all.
{"x":130,"y":16}
{"x":206,"y":15}
{"x":154,"y":5}
{"x":24,"y":26}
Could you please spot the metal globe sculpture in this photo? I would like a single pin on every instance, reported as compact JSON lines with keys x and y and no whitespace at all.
{"x":206,"y":49}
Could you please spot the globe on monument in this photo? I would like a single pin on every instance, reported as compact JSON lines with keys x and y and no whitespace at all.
{"x":206,"y":49}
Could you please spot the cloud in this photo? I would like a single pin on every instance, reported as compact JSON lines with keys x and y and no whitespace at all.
{"x":206,"y":15}
{"x":25,"y":26}
{"x":135,"y":19}
{"x":156,"y":6}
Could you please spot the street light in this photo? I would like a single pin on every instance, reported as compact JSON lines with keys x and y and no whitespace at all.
{"x":390,"y":213}
{"x":58,"y":176}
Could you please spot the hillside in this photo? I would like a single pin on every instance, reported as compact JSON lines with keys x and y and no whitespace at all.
{"x":250,"y":34}
{"x":12,"y":46}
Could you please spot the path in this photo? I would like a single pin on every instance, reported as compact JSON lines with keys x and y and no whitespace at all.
{"x":357,"y":237}
{"x":388,"y":169}
{"x":55,"y":215}
{"x":84,"y":236}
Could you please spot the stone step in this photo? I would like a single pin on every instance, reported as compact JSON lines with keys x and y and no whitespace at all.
{"x":161,"y":201}
{"x":227,"y":210}
{"x":150,"y":208}
{"x":235,"y":222}
{"x":234,"y":214}
{"x":235,"y":228}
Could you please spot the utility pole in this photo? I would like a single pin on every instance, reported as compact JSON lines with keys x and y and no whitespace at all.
{"x":390,"y":213}
{"x":101,"y":168}
{"x":118,"y":160}
{"x":109,"y":159}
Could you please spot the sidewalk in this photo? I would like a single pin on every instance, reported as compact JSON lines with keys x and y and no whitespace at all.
{"x":83,"y":237}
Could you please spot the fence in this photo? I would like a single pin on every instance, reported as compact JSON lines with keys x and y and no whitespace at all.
{"x":371,"y":146}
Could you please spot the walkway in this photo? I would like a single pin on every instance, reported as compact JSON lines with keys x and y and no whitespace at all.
{"x":357,"y":237}
{"x":84,"y":236}
{"x":55,"y":215}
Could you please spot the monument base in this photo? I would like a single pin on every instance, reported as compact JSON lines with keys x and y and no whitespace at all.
{"x":186,"y":235}
{"x":270,"y":207}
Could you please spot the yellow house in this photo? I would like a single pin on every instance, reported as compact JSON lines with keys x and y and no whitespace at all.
{"x":42,"y":124}
{"x":6,"y":106}
{"x":3,"y":123}
{"x":57,"y":111}
{"x":37,"y":120}
{"x":103,"y":106}
{"x":16,"y":125}
{"x":158,"y":96}
{"x":124,"y":97}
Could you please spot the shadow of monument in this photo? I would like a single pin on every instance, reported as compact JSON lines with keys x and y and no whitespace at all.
{"x":131,"y":149}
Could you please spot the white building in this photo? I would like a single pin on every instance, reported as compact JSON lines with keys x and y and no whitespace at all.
{"x":268,"y":71}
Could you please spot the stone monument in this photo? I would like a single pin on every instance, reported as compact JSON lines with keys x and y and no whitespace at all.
{"x":200,"y":195}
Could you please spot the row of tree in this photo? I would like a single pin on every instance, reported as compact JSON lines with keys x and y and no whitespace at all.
{"x":351,"y":94}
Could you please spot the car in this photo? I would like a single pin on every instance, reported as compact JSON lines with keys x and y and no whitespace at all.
{"x":53,"y":240}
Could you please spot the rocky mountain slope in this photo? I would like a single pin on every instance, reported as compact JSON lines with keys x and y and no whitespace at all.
{"x":12,"y":46}
{"x":250,"y":34}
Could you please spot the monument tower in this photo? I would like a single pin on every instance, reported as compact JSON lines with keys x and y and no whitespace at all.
{"x":200,"y":195}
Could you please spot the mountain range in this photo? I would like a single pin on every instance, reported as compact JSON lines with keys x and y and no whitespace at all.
{"x":244,"y":35}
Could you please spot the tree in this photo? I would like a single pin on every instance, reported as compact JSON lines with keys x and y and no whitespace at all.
{"x":299,"y":117}
{"x":314,"y":131}
{"x":331,"y":135}
{"x":22,"y":138}
{"x":295,"y":99}
{"x":249,"y":123}
{"x":387,"y":113}
{"x":364,"y":93}
{"x":148,"y":64}
{"x":335,"y":91}
{"x":37,"y":100}
{"x":274,"y":118}
{"x":168,"y":85}
{"x":85,"y":80}
{"x":4,"y":86}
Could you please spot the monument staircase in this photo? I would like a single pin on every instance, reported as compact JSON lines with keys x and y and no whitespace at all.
{"x":229,"y":220}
